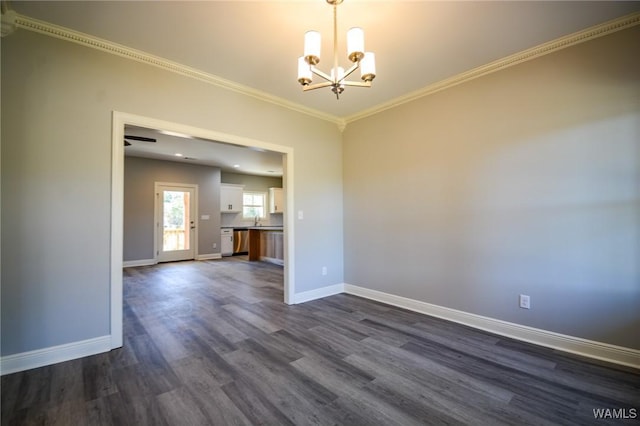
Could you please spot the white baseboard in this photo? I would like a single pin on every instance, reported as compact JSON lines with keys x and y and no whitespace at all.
{"x":141,"y":262}
{"x":209,"y":256}
{"x":52,"y":355}
{"x":576,"y":345}
{"x":318,"y":293}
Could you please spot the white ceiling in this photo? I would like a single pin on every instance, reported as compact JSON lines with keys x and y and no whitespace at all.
{"x":231,"y":158}
{"x":257,"y":43}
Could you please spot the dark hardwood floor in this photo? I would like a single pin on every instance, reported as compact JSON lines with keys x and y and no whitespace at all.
{"x":211,"y":343}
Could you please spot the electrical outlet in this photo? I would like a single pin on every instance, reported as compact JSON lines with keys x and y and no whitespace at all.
{"x":215,"y":245}
{"x":525,"y":301}
{"x":324,"y":270}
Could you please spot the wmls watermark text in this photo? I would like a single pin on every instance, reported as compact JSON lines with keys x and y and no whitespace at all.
{"x":615,"y":413}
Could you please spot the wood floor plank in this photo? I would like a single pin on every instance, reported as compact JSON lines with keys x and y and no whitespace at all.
{"x":355,"y":401}
{"x":97,"y":377}
{"x":333,"y":341}
{"x":207,"y":331}
{"x":179,"y":408}
{"x":428,"y":372}
{"x":166,"y":341}
{"x":300,"y":404}
{"x":218,"y":408}
{"x":213,"y":363}
{"x":266,"y":326}
{"x":97,"y":412}
{"x":35,"y":387}
{"x":67,"y":384}
{"x":254,"y":404}
{"x":141,"y":410}
{"x":448,"y":402}
{"x":336,"y":374}
{"x":211,"y":342}
{"x":263,"y":358}
{"x":556,"y":388}
{"x":497,"y":354}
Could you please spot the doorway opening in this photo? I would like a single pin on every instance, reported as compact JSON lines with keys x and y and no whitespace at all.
{"x":120,"y":120}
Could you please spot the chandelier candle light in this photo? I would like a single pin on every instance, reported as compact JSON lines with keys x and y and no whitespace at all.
{"x":337,"y":80}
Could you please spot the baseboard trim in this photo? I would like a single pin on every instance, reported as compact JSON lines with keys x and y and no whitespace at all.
{"x":576,"y":345}
{"x":210,"y":256}
{"x":319,"y":293}
{"x":141,"y":262}
{"x":54,"y":354}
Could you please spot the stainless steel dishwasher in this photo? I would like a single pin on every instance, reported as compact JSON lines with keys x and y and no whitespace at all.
{"x":240,"y":241}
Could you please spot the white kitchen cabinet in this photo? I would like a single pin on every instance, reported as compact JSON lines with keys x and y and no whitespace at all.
{"x":276,"y":200}
{"x":231,"y":198}
{"x":226,"y":241}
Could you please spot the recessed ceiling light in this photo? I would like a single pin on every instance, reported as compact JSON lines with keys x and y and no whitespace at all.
{"x":177,"y":154}
{"x":236,"y":166}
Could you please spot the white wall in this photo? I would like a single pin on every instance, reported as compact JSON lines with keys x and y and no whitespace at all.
{"x":57,"y":103}
{"x":523,"y":181}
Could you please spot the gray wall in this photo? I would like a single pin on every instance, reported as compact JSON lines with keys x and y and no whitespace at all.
{"x":252,"y":182}
{"x":57,"y":103}
{"x":523,"y":181}
{"x":140,"y":175}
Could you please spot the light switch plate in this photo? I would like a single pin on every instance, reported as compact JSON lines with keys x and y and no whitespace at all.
{"x":525,"y":301}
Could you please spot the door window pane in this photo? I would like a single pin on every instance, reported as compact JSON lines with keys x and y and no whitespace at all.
{"x":175,"y":221}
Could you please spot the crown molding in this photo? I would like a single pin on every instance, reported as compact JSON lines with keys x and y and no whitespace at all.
{"x":67,"y":34}
{"x":46,"y":28}
{"x":8,"y":24}
{"x":591,"y":33}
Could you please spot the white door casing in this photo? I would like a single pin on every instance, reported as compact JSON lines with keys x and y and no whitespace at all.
{"x":119,"y":120}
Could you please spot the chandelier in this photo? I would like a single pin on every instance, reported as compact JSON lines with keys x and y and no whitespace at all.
{"x":337,"y":79}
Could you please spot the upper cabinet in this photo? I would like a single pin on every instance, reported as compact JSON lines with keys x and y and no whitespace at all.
{"x":230,"y":198}
{"x":276,"y":200}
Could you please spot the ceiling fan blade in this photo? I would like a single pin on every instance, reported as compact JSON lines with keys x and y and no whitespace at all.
{"x":139,"y":138}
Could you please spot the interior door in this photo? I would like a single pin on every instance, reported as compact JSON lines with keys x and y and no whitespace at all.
{"x":175,"y":222}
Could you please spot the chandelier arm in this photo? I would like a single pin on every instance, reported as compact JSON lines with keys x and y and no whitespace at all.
{"x":349,"y":72}
{"x":356,"y":83}
{"x":317,"y":86}
{"x":322,"y":74}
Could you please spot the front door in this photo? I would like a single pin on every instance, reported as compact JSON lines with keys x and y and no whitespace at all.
{"x":175,"y":222}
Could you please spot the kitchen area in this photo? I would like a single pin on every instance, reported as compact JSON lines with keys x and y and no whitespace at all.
{"x":251,"y":209}
{"x":219,"y":223}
